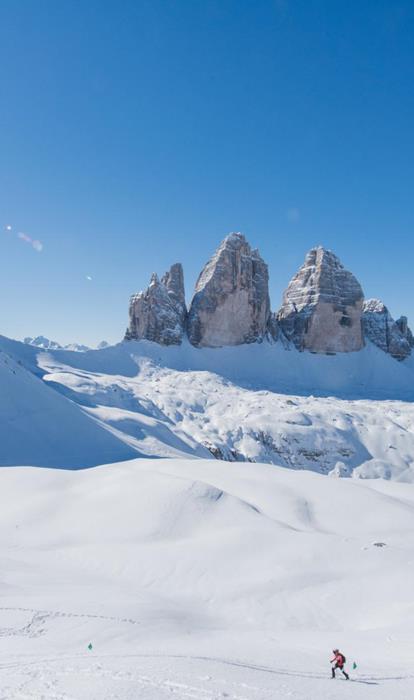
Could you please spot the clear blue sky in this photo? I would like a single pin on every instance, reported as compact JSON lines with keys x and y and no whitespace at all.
{"x":138,"y":133}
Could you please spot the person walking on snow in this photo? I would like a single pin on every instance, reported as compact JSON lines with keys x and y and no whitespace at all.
{"x":339,"y":662}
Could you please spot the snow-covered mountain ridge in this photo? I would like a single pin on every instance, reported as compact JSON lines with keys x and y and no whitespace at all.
{"x":46,"y":344}
{"x":349,"y":413}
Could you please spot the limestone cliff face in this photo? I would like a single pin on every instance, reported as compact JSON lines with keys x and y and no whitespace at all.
{"x":173,"y":280}
{"x":159,"y":313}
{"x":322,"y":306}
{"x":393,"y":337}
{"x":273,"y":327}
{"x":231,"y":302}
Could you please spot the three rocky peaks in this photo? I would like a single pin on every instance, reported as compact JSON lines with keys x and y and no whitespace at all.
{"x":323,"y":308}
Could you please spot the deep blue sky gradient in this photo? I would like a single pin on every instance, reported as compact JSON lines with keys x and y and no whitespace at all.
{"x":138,"y":133}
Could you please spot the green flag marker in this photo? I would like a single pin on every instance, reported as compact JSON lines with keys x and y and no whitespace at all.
{"x":90,"y":646}
{"x":354,"y":666}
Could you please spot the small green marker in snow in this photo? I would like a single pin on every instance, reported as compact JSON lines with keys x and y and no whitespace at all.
{"x":354,"y":666}
{"x":90,"y":646}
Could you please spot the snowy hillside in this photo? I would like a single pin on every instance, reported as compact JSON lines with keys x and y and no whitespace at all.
{"x":192,"y":577}
{"x":259,"y":403}
{"x":40,"y":427}
{"x":204,"y":580}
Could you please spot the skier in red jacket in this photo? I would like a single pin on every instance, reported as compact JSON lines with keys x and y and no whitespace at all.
{"x":339,"y":662}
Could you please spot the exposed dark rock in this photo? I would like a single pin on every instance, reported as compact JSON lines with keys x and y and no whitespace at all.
{"x":393,"y":337}
{"x":159,"y":313}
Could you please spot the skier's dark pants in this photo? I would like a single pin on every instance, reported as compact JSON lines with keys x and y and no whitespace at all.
{"x":341,"y":668}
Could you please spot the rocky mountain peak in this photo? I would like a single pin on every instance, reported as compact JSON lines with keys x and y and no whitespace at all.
{"x":231,"y":303}
{"x":173,"y":280}
{"x":159,"y":313}
{"x":323,"y":309}
{"x":45,"y":344}
{"x":393,"y":337}
{"x":322,"y":306}
{"x":42,"y":342}
{"x":323,"y":278}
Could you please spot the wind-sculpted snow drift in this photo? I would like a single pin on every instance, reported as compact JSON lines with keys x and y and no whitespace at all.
{"x":41,"y":427}
{"x":255,"y":402}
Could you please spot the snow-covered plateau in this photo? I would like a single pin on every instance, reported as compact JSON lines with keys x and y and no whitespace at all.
{"x":169,"y":574}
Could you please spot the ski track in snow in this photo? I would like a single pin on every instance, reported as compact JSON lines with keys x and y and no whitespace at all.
{"x":183,"y":551}
{"x":43,"y":678}
{"x":39,"y":617}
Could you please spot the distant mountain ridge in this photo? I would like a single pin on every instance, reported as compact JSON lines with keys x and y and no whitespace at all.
{"x":323,"y":309}
{"x":42,"y":342}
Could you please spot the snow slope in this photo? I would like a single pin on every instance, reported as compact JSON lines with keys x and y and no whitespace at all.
{"x":369,"y":374}
{"x":38,"y":426}
{"x":246,"y":403}
{"x":203,"y":579}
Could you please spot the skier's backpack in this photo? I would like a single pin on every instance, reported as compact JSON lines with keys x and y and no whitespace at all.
{"x":343,"y":659}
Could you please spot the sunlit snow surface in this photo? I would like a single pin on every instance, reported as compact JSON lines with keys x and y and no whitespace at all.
{"x":203,"y":579}
{"x":350,"y":413}
{"x":196,"y":578}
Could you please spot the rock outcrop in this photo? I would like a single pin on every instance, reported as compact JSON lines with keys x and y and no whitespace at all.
{"x":159,"y":313}
{"x":273,"y":327}
{"x":231,"y":303}
{"x":322,"y":306}
{"x":393,"y":337}
{"x":323,"y":309}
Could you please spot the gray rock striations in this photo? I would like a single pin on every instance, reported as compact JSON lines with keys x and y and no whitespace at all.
{"x":173,"y":280}
{"x":231,"y":303}
{"x":159,"y":314}
{"x":273,"y":327}
{"x":323,"y":309}
{"x":322,"y":306}
{"x":393,"y":337}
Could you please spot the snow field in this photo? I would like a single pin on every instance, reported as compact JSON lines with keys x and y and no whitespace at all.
{"x":169,"y":413}
{"x":204,"y":579}
{"x":259,"y":403}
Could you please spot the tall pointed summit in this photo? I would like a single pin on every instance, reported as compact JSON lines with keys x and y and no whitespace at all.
{"x":322,"y":306}
{"x":393,"y":337}
{"x":159,"y":313}
{"x":231,"y":303}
